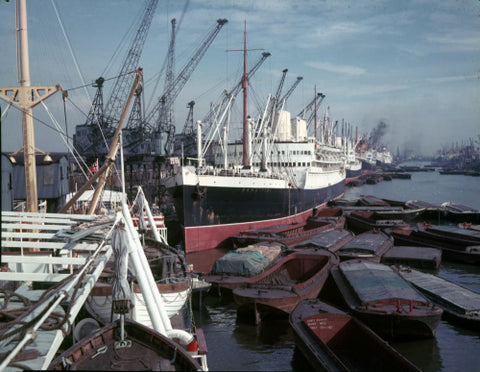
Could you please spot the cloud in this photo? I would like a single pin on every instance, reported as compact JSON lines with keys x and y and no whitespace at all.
{"x":449,"y":79}
{"x":345,"y":69}
{"x":456,"y":41}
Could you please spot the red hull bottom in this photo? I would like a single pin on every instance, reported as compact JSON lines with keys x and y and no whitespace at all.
{"x":209,"y":237}
{"x":347,"y":180}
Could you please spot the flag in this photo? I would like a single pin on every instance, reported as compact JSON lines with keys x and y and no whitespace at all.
{"x":94,"y":167}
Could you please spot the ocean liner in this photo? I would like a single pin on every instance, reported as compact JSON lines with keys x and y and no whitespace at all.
{"x":276,"y":175}
{"x":353,"y":165}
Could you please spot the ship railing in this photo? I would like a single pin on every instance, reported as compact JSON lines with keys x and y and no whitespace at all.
{"x":235,"y":173}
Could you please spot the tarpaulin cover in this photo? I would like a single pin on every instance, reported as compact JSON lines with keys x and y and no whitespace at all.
{"x":243,"y":263}
{"x":376,"y":282}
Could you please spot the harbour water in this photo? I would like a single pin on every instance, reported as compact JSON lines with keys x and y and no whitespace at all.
{"x":270,"y":346}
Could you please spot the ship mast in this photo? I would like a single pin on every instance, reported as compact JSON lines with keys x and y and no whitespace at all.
{"x":26,"y":97}
{"x":315,"y":116}
{"x":245,"y":95}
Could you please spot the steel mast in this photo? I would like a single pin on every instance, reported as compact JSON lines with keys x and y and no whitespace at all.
{"x":246,"y":145}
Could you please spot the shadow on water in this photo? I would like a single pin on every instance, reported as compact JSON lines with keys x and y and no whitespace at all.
{"x":424,"y":353}
{"x":461,"y":274}
{"x":239,"y":346}
{"x":453,"y":349}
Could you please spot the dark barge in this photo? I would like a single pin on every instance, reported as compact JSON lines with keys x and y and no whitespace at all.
{"x":419,"y":257}
{"x":332,"y":340}
{"x":459,"y":304}
{"x":276,"y":292}
{"x":370,"y":245}
{"x":457,"y":244}
{"x":386,"y":302}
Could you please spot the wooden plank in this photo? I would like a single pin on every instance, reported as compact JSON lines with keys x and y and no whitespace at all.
{"x":28,"y":226}
{"x":84,"y":246}
{"x":25,"y":235}
{"x":64,"y":221}
{"x":31,"y":244}
{"x":38,"y":277}
{"x":6,"y":258}
{"x":82,"y":217}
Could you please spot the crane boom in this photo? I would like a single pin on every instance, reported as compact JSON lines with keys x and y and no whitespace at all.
{"x":159,"y":115}
{"x":169,"y":78}
{"x":289,"y":92}
{"x":120,"y":90}
{"x":280,"y":85}
{"x":308,"y":107}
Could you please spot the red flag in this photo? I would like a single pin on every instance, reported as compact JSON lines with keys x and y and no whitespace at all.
{"x":94,"y":167}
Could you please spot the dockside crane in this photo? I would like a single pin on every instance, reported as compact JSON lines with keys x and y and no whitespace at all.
{"x":120,"y":90}
{"x":107,"y":122}
{"x":188,"y":127}
{"x":134,"y":134}
{"x":158,"y":116}
{"x":185,"y":142}
{"x":86,"y":144}
{"x":224,"y":99}
{"x":167,"y":98}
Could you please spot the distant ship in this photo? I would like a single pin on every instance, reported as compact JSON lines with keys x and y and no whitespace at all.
{"x":369,"y":160}
{"x":276,"y":175}
{"x":353,"y":165}
{"x":384,"y":157}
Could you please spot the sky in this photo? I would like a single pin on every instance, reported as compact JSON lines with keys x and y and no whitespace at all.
{"x":411,"y":64}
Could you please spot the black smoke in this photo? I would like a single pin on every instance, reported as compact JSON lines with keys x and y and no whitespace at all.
{"x":377,"y":133}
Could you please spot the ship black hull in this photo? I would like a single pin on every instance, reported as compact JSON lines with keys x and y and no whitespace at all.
{"x":210,"y":215}
{"x":352,"y":174}
{"x":220,"y":205}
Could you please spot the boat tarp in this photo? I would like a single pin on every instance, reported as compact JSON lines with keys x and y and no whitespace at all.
{"x":366,"y":242}
{"x":377,"y":282}
{"x":463,"y":299}
{"x":243,"y":263}
{"x":455,"y":230}
{"x":325,"y":239}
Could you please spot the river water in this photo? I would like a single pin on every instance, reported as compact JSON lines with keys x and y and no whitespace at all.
{"x":270,"y":346}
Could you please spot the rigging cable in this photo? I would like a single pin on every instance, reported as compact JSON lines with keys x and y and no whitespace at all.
{"x":76,"y":66}
{"x":70,"y":49}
